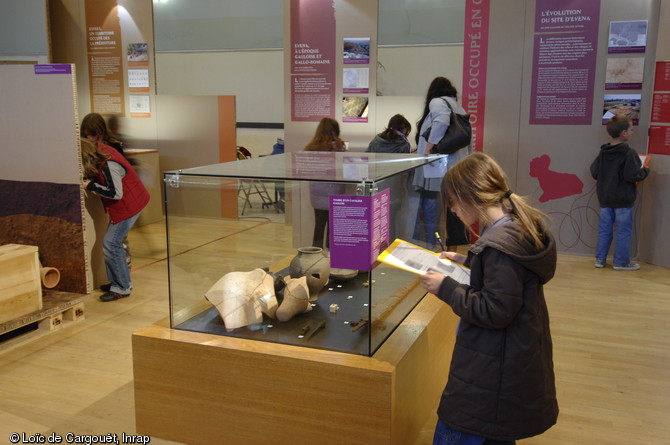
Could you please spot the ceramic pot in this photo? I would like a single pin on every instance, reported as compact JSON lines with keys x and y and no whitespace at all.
{"x":50,"y":277}
{"x":310,"y":262}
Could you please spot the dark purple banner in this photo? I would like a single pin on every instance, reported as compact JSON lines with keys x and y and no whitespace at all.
{"x":313,"y":50}
{"x":476,"y":50}
{"x":564,"y":62}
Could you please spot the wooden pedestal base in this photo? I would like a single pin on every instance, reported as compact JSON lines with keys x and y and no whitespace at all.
{"x":200,"y":388}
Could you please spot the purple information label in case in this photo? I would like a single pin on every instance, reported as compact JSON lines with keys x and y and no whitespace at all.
{"x":61,"y":68}
{"x":350,"y":218}
{"x":359,"y":229}
{"x":381,"y":220}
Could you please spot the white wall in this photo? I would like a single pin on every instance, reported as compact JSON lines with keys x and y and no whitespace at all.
{"x":256,"y":78}
{"x":407,"y":71}
{"x":23,"y":30}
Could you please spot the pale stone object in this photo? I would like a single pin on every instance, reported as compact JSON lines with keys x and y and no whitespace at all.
{"x":243,"y":297}
{"x":310,"y":262}
{"x":296,"y":299}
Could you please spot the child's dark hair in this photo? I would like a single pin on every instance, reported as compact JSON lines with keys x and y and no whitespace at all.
{"x":396,"y":123}
{"x":440,"y":86}
{"x":618,"y":124}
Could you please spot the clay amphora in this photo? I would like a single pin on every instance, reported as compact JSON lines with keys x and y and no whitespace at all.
{"x":310,"y":262}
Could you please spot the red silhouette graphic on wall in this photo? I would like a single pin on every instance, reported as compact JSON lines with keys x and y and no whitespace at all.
{"x":554,"y":185}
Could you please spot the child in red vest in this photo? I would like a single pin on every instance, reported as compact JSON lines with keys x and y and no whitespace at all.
{"x":108,"y":174}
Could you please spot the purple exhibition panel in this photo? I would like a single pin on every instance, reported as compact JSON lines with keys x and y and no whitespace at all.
{"x":312,"y":60}
{"x":350,"y":223}
{"x":62,"y":68}
{"x":563,"y":79}
{"x":475,"y":67}
{"x":564,"y":62}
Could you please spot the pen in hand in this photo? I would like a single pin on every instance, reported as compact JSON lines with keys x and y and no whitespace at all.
{"x":439,"y":240}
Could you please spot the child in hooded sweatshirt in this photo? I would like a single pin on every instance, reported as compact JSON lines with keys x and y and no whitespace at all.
{"x":617,"y":169}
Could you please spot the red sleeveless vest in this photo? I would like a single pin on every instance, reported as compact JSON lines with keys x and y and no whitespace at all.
{"x":135,"y":195}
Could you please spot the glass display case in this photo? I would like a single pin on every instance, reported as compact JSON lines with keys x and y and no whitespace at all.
{"x":284,"y":248}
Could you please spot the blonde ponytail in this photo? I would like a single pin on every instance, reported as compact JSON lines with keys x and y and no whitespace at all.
{"x":480,"y":182}
{"x":531,"y":219}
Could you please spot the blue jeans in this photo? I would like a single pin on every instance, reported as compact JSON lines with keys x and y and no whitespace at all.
{"x":446,"y":436}
{"x":623,"y":219}
{"x":428,"y":206}
{"x":118,"y":271}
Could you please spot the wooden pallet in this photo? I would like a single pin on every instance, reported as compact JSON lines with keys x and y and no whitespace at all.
{"x":59,"y":309}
